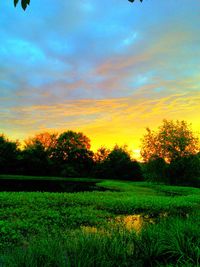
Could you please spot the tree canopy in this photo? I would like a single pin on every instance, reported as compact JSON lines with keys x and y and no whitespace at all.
{"x":117,"y":164}
{"x":172,"y":141}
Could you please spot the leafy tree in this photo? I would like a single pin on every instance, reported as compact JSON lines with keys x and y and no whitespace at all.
{"x":173,"y":140}
{"x":9,"y":152}
{"x":73,"y":153}
{"x":66,"y":154}
{"x":71,"y":144}
{"x":47,"y":140}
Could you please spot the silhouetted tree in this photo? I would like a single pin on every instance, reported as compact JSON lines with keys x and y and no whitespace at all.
{"x":9,"y":153}
{"x":185,"y":170}
{"x":155,"y":170}
{"x":118,"y":165}
{"x":73,"y":154}
{"x":34,"y":159}
{"x":99,"y":169}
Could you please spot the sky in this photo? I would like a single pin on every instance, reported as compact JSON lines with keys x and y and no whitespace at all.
{"x":107,"y":68}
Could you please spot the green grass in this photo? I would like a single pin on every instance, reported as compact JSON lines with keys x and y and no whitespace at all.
{"x":46,"y":229}
{"x":170,"y":243}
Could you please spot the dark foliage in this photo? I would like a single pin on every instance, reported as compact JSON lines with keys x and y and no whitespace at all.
{"x":182,"y":171}
{"x":67,"y":154}
{"x":9,"y":154}
{"x":24,"y":3}
{"x":155,"y":170}
{"x":72,"y":156}
{"x":185,"y":171}
{"x":134,"y":0}
{"x":118,"y":165}
{"x":34,"y":160}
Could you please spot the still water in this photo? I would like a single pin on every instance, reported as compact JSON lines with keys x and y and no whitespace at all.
{"x":129,"y":222}
{"x":44,"y":185}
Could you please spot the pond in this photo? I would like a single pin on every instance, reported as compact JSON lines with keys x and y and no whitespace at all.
{"x":21,"y":185}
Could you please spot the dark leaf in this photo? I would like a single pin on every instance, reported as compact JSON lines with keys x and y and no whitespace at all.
{"x":24,"y":3}
{"x":15,"y":2}
{"x":134,"y":0}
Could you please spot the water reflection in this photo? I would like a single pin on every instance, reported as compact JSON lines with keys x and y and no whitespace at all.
{"x":129,"y":222}
{"x":134,"y":222}
{"x":46,"y":185}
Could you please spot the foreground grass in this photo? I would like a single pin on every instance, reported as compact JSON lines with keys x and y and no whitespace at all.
{"x":173,"y":242}
{"x":47,"y":229}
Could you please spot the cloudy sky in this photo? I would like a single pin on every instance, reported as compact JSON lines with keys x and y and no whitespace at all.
{"x":108,"y":68}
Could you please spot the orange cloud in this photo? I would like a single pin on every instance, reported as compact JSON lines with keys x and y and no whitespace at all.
{"x":106,"y":122}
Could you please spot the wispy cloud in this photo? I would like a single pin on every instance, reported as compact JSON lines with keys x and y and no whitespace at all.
{"x":108,"y":121}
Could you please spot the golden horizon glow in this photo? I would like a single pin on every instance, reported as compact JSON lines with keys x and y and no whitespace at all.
{"x":116,"y":114}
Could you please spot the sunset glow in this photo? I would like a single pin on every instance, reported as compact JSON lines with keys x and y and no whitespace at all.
{"x":106,"y":68}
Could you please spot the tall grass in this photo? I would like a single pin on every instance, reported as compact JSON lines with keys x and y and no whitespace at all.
{"x":172,"y":242}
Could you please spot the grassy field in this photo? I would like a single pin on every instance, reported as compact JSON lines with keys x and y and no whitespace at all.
{"x":135,"y":224}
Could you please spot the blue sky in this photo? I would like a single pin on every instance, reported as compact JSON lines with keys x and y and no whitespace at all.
{"x":107,"y":68}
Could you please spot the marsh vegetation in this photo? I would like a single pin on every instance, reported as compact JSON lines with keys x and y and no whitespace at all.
{"x":128,"y":224}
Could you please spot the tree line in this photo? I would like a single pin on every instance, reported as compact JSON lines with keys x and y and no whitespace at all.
{"x":171,"y":154}
{"x":67,"y":154}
